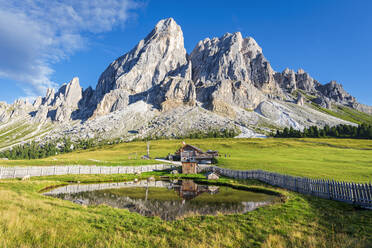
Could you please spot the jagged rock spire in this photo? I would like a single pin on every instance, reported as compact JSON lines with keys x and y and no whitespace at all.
{"x":159,"y":55}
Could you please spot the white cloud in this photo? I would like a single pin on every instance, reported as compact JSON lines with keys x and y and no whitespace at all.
{"x":34,"y":34}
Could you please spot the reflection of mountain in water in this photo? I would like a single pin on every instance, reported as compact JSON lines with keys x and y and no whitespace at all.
{"x":178,"y":199}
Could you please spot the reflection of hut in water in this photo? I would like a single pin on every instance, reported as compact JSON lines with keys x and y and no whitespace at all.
{"x":188,"y":190}
{"x":213,"y":189}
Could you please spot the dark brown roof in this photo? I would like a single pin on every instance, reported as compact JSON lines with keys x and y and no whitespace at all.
{"x":193,"y":147}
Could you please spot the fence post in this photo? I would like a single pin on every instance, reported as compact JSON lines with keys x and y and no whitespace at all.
{"x":296,"y":184}
{"x":328,"y":192}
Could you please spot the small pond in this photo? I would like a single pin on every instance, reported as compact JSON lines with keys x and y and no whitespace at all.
{"x":168,"y":200}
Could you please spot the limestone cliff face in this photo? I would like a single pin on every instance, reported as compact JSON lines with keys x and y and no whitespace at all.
{"x":57,"y":106}
{"x":231,"y":70}
{"x":233,"y":58}
{"x":287,"y":80}
{"x":175,"y":92}
{"x":290,"y":81}
{"x":336,"y":92}
{"x":159,"y":55}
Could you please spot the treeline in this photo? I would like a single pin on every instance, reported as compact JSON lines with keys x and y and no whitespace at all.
{"x":226,"y":133}
{"x":363,"y":131}
{"x":35,"y":150}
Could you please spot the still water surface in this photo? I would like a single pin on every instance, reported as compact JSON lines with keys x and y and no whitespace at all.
{"x":168,"y":200}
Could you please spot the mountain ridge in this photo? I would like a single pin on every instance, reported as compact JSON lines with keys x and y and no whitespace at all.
{"x":224,"y":82}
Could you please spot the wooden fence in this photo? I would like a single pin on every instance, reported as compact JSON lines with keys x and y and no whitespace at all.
{"x":36,"y":171}
{"x":354,"y":193}
{"x":78,"y":188}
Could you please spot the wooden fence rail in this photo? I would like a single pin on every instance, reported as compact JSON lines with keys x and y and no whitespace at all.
{"x":36,"y":171}
{"x":354,"y":193}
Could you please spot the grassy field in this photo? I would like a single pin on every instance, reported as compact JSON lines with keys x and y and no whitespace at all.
{"x":338,"y":159}
{"x":29,"y":219}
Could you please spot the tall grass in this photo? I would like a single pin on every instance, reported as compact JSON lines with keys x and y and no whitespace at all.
{"x":28,"y":219}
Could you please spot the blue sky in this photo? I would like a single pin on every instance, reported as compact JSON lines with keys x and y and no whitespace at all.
{"x":57,"y":40}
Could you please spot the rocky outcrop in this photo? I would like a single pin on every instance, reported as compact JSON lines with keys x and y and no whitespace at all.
{"x":57,"y":106}
{"x":234,"y":58}
{"x":300,"y":99}
{"x":38,"y":101}
{"x":323,"y":102}
{"x":159,"y":55}
{"x":4,"y":112}
{"x":41,"y":115}
{"x":112,"y":101}
{"x":290,"y":81}
{"x":287,"y":80}
{"x":229,"y":71}
{"x":336,"y":92}
{"x":305,"y":82}
{"x":174,"y":92}
{"x":363,"y":108}
{"x":72,"y":94}
{"x":49,"y":97}
{"x":227,"y":94}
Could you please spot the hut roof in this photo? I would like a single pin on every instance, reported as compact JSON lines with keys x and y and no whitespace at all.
{"x":191,"y":146}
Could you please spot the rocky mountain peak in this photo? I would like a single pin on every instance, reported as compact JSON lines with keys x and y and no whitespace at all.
{"x":228,"y":57}
{"x":156,"y":88}
{"x":146,"y":65}
{"x":236,"y":68}
{"x":167,"y":25}
{"x":301,"y":71}
{"x":49,"y":97}
{"x":159,"y":55}
{"x":73,"y":93}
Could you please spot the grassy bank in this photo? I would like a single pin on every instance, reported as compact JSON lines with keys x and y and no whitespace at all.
{"x":339,"y":159}
{"x":29,"y":219}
